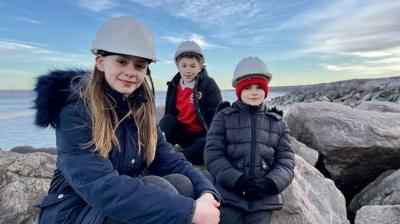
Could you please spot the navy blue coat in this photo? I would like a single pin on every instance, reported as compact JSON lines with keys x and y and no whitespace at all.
{"x":87,"y":188}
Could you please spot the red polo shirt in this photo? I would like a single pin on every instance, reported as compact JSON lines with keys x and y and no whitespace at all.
{"x":186,"y":109}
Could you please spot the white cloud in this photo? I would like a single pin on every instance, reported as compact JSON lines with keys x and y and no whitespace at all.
{"x":169,"y":62}
{"x":14,"y":47}
{"x":350,"y":69}
{"x":199,"y":39}
{"x":369,"y":54}
{"x":208,"y":13}
{"x":98,"y":5}
{"x":203,"y":44}
{"x":29,"y":51}
{"x":393,"y":51}
{"x":360,"y":28}
{"x":155,"y":4}
{"x":236,"y":22}
{"x":362,"y":69}
{"x":386,"y":61}
{"x":175,"y":39}
{"x":323,"y":27}
{"x":29,"y":20}
{"x":363,"y":32}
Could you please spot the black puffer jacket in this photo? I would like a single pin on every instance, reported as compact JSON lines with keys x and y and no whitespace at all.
{"x":206,"y":96}
{"x":249,"y":140}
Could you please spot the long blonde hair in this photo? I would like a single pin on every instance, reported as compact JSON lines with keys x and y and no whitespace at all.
{"x":105,"y":120}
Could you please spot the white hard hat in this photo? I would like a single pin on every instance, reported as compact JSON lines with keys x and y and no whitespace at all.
{"x":188,"y":46}
{"x":125,"y":35}
{"x":250,"y":66}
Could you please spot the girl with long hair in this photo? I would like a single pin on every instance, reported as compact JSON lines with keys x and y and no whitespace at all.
{"x":107,"y":136}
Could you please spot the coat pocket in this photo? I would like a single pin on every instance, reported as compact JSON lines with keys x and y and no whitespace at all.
{"x":53,"y":199}
{"x":55,"y":207}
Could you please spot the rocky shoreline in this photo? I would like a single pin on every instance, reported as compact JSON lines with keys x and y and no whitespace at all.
{"x":346,"y":136}
{"x":350,"y":93}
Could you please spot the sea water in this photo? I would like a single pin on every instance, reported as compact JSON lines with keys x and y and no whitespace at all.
{"x":17,"y":118}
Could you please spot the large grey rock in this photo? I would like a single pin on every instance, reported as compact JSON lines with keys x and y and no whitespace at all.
{"x":379,"y":106}
{"x":307,"y":153}
{"x":311,"y":198}
{"x":20,"y":197}
{"x":355,"y":146}
{"x":378,"y":214}
{"x":384,"y":190}
{"x":24,"y":180}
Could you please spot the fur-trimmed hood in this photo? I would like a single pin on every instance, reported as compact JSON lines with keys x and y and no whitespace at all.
{"x":52,"y":94}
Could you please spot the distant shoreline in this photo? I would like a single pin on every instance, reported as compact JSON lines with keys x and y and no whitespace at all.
{"x":272,"y":88}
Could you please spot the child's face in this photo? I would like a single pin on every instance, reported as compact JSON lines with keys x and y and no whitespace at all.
{"x":253,"y":95}
{"x":189,"y":68}
{"x":123,"y":73}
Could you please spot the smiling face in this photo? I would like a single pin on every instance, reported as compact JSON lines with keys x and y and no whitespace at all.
{"x":189,"y":68}
{"x":123,"y":73}
{"x":253,"y":95}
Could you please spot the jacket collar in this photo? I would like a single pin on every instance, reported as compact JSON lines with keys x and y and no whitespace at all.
{"x":120,"y":102}
{"x":189,"y":85}
{"x":248,"y":108}
{"x":124,"y":104}
{"x":175,"y":80}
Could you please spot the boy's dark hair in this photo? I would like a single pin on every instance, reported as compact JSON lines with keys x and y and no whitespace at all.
{"x":190,"y":55}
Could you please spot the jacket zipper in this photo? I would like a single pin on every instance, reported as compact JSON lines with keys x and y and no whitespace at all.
{"x":197,"y":107}
{"x":253,"y":144}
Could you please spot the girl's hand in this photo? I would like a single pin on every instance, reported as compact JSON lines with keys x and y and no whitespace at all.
{"x":207,"y":211}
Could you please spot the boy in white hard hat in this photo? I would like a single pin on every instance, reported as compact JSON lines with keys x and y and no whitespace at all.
{"x":191,"y":100}
{"x":248,"y":152}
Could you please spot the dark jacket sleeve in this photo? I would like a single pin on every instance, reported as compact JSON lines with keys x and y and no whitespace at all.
{"x":119,"y":197}
{"x":215,"y":157}
{"x":213,"y":99}
{"x":282,"y":172}
{"x":168,"y":161}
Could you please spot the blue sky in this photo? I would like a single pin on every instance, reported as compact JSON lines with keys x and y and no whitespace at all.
{"x":302,"y":42}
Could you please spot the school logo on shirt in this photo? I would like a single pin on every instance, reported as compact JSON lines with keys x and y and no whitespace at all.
{"x":199,"y":95}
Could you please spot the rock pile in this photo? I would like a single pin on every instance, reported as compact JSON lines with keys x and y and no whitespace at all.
{"x":350,"y":93}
